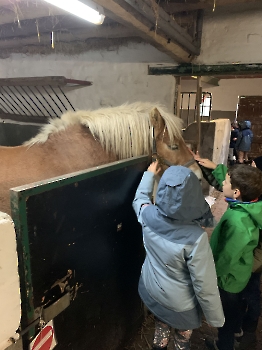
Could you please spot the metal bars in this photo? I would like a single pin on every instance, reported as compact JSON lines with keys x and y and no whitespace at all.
{"x":38,"y":101}
{"x":188,"y":107}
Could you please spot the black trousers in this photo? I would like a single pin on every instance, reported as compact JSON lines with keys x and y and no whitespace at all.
{"x":251,"y":296}
{"x":232,"y":305}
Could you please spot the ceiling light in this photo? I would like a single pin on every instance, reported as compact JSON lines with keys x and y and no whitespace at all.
{"x":79,"y":9}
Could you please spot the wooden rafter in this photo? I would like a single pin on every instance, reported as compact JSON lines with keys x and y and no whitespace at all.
{"x":172,"y":7}
{"x":24,"y":10}
{"x":165,"y":23}
{"x":72,"y":35}
{"x":125,"y":14}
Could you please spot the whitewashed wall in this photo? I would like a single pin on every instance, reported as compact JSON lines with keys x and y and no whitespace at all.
{"x":232,"y":39}
{"x":118,"y":76}
{"x":225,"y":96}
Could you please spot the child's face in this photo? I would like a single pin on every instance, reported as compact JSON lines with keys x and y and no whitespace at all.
{"x":227,"y":190}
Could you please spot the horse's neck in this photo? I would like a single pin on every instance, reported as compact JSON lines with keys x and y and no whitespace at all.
{"x":62,"y":153}
{"x":76,"y":148}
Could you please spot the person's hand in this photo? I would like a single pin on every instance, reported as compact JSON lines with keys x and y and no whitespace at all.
{"x":154,"y":167}
{"x":204,"y":161}
{"x":207,"y":163}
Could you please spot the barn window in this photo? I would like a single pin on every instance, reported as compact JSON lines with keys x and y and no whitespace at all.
{"x":206,"y":105}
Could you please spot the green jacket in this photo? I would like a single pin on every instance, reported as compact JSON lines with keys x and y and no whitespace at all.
{"x":234,"y":240}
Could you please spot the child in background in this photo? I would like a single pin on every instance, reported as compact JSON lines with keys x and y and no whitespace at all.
{"x":232,"y":144}
{"x":233,"y":242}
{"x":244,"y":140}
{"x":178,"y":276}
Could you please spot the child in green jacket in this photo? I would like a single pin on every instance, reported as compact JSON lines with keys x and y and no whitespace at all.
{"x":234,"y":240}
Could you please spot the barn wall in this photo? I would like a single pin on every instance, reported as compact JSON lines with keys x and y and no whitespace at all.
{"x":232,"y":38}
{"x":225,"y":96}
{"x":118,"y":76}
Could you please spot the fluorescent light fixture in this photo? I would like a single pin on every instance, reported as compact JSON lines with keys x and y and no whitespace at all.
{"x":80,"y":9}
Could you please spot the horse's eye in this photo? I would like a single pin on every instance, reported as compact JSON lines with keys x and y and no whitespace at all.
{"x":173,"y":147}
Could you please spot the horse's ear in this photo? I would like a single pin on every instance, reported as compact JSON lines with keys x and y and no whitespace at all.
{"x":156,"y":119}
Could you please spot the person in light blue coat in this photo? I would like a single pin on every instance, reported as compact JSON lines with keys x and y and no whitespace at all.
{"x":178,"y":278}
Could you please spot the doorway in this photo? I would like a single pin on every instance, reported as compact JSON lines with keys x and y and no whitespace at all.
{"x":250,"y":108}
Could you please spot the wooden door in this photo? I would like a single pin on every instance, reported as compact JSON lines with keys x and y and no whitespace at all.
{"x":250,"y":108}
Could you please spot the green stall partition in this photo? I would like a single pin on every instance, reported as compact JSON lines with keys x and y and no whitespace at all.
{"x":80,"y":253}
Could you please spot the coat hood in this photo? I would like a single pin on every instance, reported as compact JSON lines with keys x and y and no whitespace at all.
{"x":179,"y":195}
{"x":254,"y":210}
{"x":244,"y":124}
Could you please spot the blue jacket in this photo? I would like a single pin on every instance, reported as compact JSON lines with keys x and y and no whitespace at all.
{"x":244,"y":140}
{"x":178,"y":276}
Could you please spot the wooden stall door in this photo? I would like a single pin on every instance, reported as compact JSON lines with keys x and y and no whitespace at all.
{"x":250,"y":108}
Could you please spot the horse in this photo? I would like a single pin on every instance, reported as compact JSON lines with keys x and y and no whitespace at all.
{"x":85,"y":139}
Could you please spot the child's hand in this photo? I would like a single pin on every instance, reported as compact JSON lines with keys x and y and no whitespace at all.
{"x":204,"y":161}
{"x":154,"y":168}
{"x":195,"y":155}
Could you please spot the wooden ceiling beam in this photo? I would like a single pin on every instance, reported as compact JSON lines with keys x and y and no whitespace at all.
{"x":65,"y":24}
{"x":172,"y":7}
{"x":62,"y":23}
{"x":125,"y":14}
{"x":74,"y":35}
{"x":164,"y":22}
{"x":23,"y":11}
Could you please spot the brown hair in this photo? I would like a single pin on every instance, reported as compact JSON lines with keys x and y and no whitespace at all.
{"x":248,"y":180}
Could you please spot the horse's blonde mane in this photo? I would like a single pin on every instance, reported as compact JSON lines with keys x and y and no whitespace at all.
{"x":123,"y":130}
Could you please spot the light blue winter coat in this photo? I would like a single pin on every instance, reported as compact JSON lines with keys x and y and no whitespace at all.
{"x":178,"y":276}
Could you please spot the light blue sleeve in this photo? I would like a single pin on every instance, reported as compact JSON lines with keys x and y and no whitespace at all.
{"x":143,"y":193}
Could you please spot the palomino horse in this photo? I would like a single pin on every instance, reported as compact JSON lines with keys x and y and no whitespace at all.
{"x":84,"y":139}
